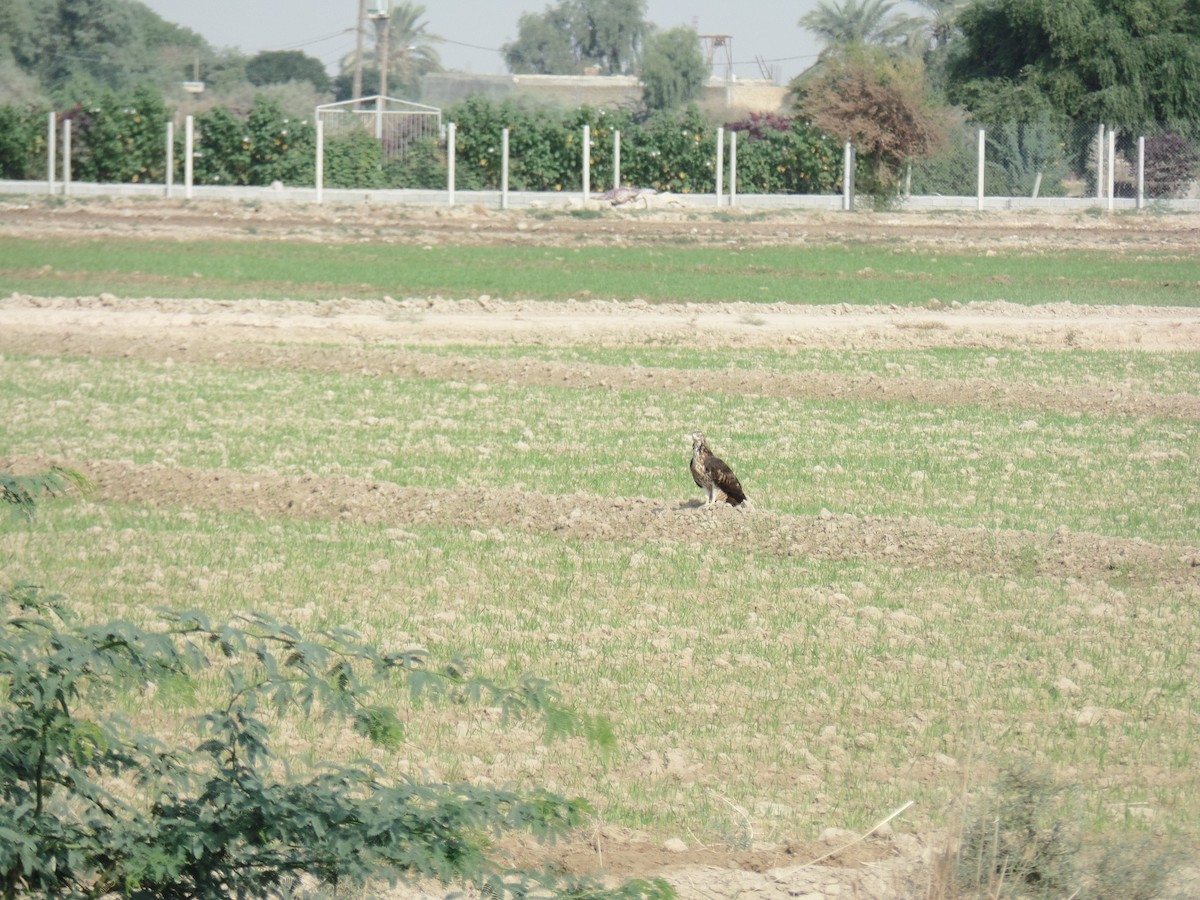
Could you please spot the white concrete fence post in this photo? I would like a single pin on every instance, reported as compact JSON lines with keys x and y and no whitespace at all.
{"x":587,"y":164}
{"x":1141,"y":173}
{"x":720,"y":161}
{"x":732,"y":168}
{"x":848,"y":177}
{"x":51,"y":152}
{"x":319,"y":179}
{"x":450,"y":133}
{"x":504,"y":168}
{"x":66,"y":157}
{"x":189,"y":144}
{"x":979,"y":169}
{"x":1112,"y":167}
{"x":616,"y":159}
{"x":169,"y":172}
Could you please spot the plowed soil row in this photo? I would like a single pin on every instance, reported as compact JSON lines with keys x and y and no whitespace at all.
{"x":472,"y":224}
{"x":906,"y":543}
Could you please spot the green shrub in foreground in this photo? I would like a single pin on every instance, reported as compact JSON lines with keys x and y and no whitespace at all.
{"x":22,"y":492}
{"x":90,"y":806}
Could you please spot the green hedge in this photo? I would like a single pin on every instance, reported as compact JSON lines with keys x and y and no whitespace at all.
{"x":22,"y":143}
{"x":122,"y":138}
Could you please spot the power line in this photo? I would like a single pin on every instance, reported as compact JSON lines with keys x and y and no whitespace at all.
{"x":472,"y":46}
{"x":328,"y":37}
{"x":780,"y":59}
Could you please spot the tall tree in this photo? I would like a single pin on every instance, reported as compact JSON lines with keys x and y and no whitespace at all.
{"x":574,"y":35}
{"x":673,"y":69}
{"x":543,"y":45}
{"x":282,"y":66}
{"x":609,"y":33}
{"x":932,"y":35}
{"x":1128,"y":63}
{"x":880,"y":103}
{"x":75,"y":48}
{"x":941,"y":19}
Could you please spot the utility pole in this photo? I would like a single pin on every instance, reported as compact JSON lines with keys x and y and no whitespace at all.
{"x":381,"y":15}
{"x":356,"y":91}
{"x":383,"y":56}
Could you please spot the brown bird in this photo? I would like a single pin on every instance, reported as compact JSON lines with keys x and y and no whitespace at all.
{"x":713,"y":475}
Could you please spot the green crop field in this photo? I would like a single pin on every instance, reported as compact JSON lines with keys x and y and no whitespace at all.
{"x":855,"y":273}
{"x":925,"y":591}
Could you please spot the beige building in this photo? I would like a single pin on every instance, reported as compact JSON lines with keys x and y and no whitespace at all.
{"x":723,"y":100}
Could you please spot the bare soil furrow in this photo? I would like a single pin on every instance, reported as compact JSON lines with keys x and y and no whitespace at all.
{"x":473,"y":224}
{"x":354,"y":358}
{"x":903,"y":543}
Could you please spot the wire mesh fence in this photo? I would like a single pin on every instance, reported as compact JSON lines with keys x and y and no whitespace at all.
{"x":1042,"y":159}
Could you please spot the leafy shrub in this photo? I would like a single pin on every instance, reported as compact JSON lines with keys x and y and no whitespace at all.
{"x":601,"y":124}
{"x":671,"y":152}
{"x":423,"y":166}
{"x":353,"y":160}
{"x":1132,"y":866}
{"x":119,"y":138}
{"x":282,"y":148}
{"x":880,"y":103}
{"x":1022,"y":840}
{"x":221,"y":148}
{"x":22,"y":143}
{"x":785,"y":156}
{"x":268,"y":145}
{"x":90,"y":806}
{"x":477,"y":140}
{"x":541,"y":156}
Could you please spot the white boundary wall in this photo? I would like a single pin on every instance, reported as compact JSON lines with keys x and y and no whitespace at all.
{"x":564,"y":200}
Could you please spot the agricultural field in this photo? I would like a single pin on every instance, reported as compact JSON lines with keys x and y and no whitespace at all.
{"x":971,"y":445}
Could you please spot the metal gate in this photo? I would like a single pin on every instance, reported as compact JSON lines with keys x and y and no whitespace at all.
{"x":395,"y":123}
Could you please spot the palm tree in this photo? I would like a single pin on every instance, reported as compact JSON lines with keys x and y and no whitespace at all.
{"x":933,"y":34}
{"x":941,"y":20}
{"x":410,"y":49}
{"x":856,"y":23}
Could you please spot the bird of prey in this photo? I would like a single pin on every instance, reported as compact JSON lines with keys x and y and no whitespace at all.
{"x":713,"y":475}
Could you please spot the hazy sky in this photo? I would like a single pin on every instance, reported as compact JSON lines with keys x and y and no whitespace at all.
{"x":474,"y":30}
